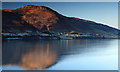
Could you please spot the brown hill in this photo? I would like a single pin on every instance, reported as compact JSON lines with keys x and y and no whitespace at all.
{"x":38,"y":18}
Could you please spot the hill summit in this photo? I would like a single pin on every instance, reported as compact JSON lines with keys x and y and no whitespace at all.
{"x":41,"y":18}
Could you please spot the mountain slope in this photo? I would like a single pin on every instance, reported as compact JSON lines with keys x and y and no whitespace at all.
{"x":35,"y":18}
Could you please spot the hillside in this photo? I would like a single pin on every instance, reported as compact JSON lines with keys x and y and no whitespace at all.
{"x":41,"y":18}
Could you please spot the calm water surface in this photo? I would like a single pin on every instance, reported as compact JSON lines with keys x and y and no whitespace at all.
{"x":85,"y":54}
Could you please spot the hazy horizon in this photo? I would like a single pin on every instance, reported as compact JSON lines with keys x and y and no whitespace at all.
{"x":100,"y":12}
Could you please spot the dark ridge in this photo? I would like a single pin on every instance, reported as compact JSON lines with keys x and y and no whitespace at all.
{"x":42,"y":16}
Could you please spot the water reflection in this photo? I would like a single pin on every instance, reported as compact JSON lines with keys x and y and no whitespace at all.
{"x":29,"y":55}
{"x":45,"y":53}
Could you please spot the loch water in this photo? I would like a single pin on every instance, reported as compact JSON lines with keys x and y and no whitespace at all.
{"x":81,"y":54}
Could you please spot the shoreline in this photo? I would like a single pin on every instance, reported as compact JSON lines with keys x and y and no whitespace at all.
{"x":51,"y":38}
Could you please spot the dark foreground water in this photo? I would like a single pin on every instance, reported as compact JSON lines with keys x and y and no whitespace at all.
{"x":85,"y":54}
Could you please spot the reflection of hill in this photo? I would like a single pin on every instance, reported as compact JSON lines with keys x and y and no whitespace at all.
{"x":38,"y":58}
{"x":44,"y":53}
{"x":33,"y":56}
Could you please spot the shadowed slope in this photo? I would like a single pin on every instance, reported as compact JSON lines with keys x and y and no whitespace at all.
{"x":41,"y":16}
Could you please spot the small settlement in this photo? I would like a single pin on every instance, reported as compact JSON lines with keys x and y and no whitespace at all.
{"x":51,"y":35}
